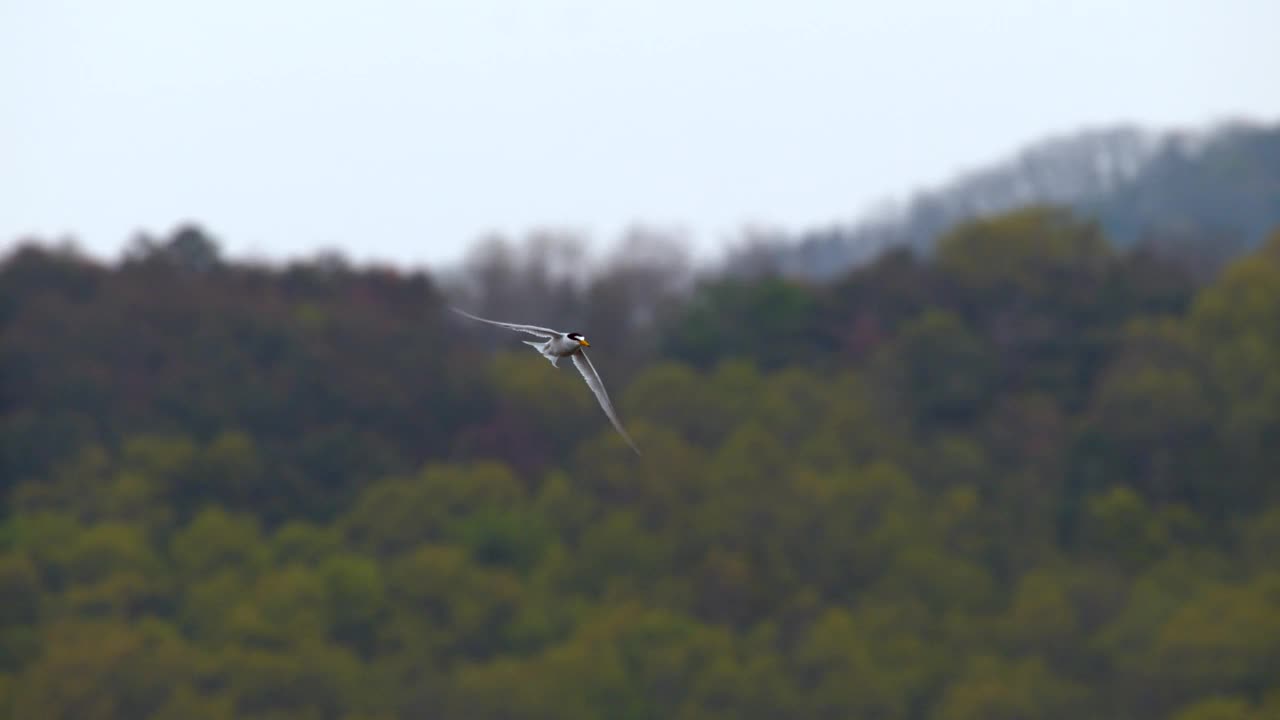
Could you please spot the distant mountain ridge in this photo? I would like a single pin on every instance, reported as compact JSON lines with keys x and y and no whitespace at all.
{"x":1208,"y":195}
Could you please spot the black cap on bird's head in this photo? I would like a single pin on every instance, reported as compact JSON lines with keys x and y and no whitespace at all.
{"x":577,"y":337}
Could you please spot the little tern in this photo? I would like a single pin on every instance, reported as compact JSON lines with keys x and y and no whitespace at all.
{"x":556,"y":345}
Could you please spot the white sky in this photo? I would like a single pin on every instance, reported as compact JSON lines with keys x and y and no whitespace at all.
{"x":402,"y":130}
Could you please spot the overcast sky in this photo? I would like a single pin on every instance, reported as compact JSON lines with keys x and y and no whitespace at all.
{"x":403,"y":130}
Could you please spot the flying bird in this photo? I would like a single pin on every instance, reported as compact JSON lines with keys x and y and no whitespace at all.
{"x":556,"y":345}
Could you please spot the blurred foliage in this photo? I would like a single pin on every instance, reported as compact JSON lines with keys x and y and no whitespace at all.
{"x":1031,"y":477}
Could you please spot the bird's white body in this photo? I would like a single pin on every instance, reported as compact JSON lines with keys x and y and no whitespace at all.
{"x":555,"y":348}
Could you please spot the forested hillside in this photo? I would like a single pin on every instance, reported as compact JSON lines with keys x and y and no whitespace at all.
{"x":1203,"y":197}
{"x":1030,"y":475}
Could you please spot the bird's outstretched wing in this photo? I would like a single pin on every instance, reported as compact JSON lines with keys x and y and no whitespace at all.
{"x":583,"y":363}
{"x":531,"y":329}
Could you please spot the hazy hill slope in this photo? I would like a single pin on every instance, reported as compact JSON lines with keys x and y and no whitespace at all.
{"x":1206,"y":196}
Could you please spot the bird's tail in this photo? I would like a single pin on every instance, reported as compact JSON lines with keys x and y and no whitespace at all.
{"x":541,"y":347}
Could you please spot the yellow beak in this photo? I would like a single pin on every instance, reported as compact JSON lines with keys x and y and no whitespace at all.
{"x":584,"y":343}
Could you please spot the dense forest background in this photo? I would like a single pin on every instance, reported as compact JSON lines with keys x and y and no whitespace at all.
{"x":1031,"y":473}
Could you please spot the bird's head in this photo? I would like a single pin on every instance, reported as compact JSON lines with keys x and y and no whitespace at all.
{"x":577,"y":337}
